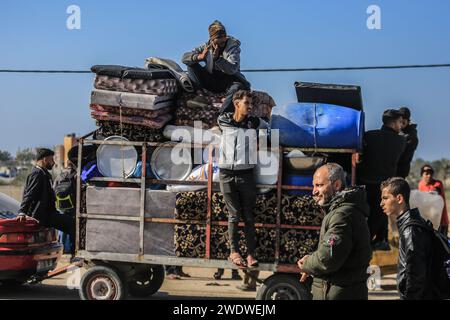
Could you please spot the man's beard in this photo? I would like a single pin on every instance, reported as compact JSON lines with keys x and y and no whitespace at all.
{"x":326,"y":199}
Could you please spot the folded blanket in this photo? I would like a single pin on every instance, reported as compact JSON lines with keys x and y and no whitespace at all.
{"x":131,"y":72}
{"x":150,"y":114}
{"x":131,"y":100}
{"x":192,"y":123}
{"x":156,"y":123}
{"x":262,"y":104}
{"x":130,"y":131}
{"x":206,"y":115}
{"x":158,"y":86}
{"x":174,"y":68}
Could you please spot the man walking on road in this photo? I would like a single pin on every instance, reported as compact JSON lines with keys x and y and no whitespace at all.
{"x":415,"y":243}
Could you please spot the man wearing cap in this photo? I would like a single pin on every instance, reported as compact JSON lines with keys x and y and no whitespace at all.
{"x":381,"y":152}
{"x":221,"y":73}
{"x":409,"y":131}
{"x":39,"y":200}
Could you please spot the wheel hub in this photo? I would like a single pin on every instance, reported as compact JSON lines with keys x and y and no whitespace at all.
{"x":102,"y":288}
{"x":283,"y":293}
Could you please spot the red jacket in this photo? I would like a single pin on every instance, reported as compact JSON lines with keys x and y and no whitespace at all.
{"x":436,"y":185}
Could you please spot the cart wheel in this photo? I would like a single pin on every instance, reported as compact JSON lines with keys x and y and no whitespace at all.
{"x":283,"y":287}
{"x":146,"y":282}
{"x":102,"y":283}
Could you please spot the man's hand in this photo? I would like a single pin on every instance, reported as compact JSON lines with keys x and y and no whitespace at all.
{"x":202,"y":56}
{"x":21,"y":217}
{"x":300,"y":264}
{"x":303,"y":277}
{"x":216,"y":51}
{"x":302,"y":261}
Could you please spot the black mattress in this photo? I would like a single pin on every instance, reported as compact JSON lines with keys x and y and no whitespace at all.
{"x":131,"y":72}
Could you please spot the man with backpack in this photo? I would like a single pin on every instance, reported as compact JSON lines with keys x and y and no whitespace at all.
{"x":65,"y":187}
{"x":423,"y":253}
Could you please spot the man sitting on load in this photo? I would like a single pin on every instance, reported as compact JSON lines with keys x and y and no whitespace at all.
{"x":221,"y":73}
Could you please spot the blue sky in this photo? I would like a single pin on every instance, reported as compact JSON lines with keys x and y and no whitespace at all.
{"x":38,"y":110}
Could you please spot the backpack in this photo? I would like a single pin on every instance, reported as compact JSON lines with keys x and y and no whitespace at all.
{"x":65,"y":190}
{"x":440,"y":260}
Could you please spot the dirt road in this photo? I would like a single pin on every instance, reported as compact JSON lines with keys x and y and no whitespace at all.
{"x":200,"y":286}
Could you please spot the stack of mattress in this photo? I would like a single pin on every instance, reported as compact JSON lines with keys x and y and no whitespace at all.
{"x":208,"y":111}
{"x":190,"y":239}
{"x":141,"y":98}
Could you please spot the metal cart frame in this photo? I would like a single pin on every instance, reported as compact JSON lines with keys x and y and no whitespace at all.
{"x":146,"y":259}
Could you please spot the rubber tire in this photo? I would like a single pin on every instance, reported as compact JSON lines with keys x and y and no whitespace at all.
{"x":108,"y":274}
{"x":286,"y":286}
{"x":153,"y":277}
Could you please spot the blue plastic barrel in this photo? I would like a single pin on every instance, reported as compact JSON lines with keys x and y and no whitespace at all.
{"x":298,"y":180}
{"x":318,"y":125}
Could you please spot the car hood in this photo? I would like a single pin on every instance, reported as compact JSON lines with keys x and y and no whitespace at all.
{"x":8,"y":207}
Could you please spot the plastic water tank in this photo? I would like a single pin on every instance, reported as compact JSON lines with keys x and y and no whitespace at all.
{"x":430,"y":205}
{"x":318,"y":125}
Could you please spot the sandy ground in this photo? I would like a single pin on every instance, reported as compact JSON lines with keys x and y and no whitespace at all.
{"x":201,"y":286}
{"x":12,"y":191}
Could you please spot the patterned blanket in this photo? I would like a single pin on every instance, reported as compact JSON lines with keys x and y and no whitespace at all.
{"x":187,"y":115}
{"x":159,"y":87}
{"x":129,"y":131}
{"x":156,"y":123}
{"x":131,"y":100}
{"x":150,"y":114}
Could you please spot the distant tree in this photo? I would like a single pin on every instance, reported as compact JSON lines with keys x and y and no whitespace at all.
{"x":25,"y":156}
{"x":5,"y":156}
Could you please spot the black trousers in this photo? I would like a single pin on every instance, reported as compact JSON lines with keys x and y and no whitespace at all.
{"x":64,"y":223}
{"x":378,"y":221}
{"x":239,"y":192}
{"x":217,"y":82}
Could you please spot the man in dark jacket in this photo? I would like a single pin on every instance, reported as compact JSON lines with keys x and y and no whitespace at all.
{"x":221,"y":54}
{"x":339,"y":265}
{"x":414,"y":274}
{"x":39,"y":200}
{"x":381,"y":152}
{"x":409,"y":131}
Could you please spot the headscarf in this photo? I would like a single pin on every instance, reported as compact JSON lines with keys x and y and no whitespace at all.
{"x":216,"y":30}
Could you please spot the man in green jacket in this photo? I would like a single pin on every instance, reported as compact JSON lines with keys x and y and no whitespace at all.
{"x":339,"y":265}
